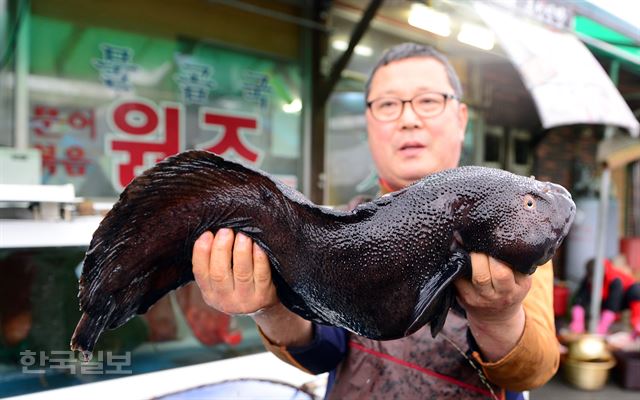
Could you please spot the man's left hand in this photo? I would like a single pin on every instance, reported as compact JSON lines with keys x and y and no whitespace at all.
{"x":495,"y":291}
{"x":493,"y":299}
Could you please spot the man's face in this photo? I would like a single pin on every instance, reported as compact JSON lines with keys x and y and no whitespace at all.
{"x":411,"y":147}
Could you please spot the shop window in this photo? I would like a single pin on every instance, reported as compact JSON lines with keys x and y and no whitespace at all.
{"x":521,"y":151}
{"x":519,"y":157}
{"x":105,"y":103}
{"x":350,"y":171}
{"x":492,"y":147}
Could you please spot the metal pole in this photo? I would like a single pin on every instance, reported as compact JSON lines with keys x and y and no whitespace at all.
{"x":307,"y":100}
{"x":601,"y":236}
{"x":603,"y":214}
{"x":21,"y":98}
{"x":358,"y":32}
{"x":314,"y":148}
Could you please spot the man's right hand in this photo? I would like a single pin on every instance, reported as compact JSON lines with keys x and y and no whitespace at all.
{"x":234,"y":276}
{"x":242,"y":288}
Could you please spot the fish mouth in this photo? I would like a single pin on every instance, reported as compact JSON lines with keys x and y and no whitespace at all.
{"x":555,"y":189}
{"x":565,"y":206}
{"x":551,"y":250}
{"x":548,"y":254}
{"x":560,"y":235}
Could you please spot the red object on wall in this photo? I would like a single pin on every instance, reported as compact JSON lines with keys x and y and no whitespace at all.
{"x":208,"y":325}
{"x":630,"y":247}
{"x":560,"y":299}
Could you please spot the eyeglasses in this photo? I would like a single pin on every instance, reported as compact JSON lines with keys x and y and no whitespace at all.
{"x":426,"y":105}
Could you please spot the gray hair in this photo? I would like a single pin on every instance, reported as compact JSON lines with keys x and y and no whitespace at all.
{"x":409,"y":50}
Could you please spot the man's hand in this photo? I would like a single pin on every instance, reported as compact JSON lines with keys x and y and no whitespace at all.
{"x":233,"y":274}
{"x":495,"y":291}
{"x":234,"y":277}
{"x":493,"y":302}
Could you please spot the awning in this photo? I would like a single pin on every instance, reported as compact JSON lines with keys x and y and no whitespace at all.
{"x":619,"y":151}
{"x":567,"y":83}
{"x":607,"y":41}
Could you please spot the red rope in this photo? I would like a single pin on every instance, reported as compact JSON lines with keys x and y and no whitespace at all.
{"x":421,"y":369}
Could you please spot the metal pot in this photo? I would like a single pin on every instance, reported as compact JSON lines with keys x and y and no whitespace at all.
{"x":587,"y":375}
{"x":589,"y":348}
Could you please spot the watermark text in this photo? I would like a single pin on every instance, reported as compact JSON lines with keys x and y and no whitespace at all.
{"x":102,"y":362}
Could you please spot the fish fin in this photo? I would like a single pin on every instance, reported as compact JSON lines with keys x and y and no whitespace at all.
{"x":288,"y":297}
{"x":442,"y":311}
{"x":86,"y":334}
{"x":174,"y":277}
{"x":242,"y":224}
{"x":437,"y":296}
{"x":142,"y":248}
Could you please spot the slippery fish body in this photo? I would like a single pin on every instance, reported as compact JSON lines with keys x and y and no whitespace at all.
{"x":382,"y":270}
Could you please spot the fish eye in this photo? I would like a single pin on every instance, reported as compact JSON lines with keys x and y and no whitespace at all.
{"x":529,"y":202}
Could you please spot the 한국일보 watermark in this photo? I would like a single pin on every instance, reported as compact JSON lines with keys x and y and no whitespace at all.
{"x":102,"y":362}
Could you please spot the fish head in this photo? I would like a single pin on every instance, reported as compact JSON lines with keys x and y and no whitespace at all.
{"x":518,"y":220}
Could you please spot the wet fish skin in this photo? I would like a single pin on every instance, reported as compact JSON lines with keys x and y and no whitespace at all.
{"x":383,"y":270}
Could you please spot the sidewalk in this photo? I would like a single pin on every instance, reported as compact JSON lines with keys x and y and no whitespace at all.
{"x":559,"y":389}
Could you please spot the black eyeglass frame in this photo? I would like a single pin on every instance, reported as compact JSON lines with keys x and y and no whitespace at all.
{"x":446,"y":96}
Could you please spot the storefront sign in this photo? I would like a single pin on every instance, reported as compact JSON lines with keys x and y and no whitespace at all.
{"x":195,"y":82}
{"x":115,"y":66}
{"x":116,"y":102}
{"x":66,"y":137}
{"x":143,"y":133}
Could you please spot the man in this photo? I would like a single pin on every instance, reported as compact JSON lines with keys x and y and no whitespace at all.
{"x":416,"y":124}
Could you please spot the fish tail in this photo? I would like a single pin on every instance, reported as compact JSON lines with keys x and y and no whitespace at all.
{"x":142,"y":248}
{"x":86,"y":334}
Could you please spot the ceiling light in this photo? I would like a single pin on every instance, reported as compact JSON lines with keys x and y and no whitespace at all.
{"x":294,"y":107}
{"x":360,"y":49}
{"x":477,"y":36}
{"x":339,"y":45}
{"x":427,"y":18}
{"x":364,"y":51}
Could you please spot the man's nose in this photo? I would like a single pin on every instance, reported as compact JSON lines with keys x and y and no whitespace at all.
{"x":409,"y":118}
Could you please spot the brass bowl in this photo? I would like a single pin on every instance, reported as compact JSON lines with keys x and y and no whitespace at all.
{"x":588,"y":347}
{"x":587,"y":375}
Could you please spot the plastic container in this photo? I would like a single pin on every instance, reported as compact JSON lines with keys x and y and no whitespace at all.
{"x":560,"y":299}
{"x":630,"y":247}
{"x":627,"y":372}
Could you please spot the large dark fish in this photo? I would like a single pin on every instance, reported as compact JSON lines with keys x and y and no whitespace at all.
{"x":383,"y":270}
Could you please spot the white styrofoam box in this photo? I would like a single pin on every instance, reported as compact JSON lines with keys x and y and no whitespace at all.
{"x":22,"y":167}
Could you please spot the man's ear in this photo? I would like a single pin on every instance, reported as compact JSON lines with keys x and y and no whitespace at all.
{"x":463,"y":118}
